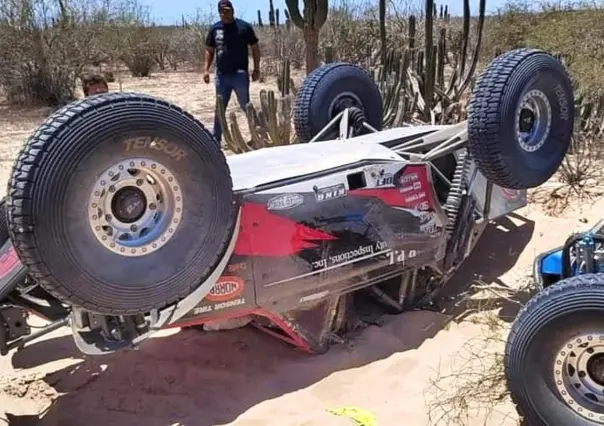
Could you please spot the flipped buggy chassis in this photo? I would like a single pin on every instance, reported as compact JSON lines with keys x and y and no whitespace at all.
{"x":467,"y":175}
{"x":471,"y":203}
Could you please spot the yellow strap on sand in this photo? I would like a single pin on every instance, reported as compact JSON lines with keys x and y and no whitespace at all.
{"x":359,"y":416}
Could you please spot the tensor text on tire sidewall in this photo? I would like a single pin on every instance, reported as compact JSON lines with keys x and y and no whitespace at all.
{"x":552,"y":85}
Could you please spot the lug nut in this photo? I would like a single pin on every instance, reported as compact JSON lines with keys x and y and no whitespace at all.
{"x":152,"y":206}
{"x":112,"y":188}
{"x":133,"y":228}
{"x":139,"y":182}
{"x":108,"y":217}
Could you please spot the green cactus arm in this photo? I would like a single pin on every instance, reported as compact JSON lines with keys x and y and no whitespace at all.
{"x":417,"y":93}
{"x":430,"y":66}
{"x":320,"y":13}
{"x":257,"y":139}
{"x":315,"y":13}
{"x":271,"y":115}
{"x":294,"y":13}
{"x":259,"y":18}
{"x":465,"y":36}
{"x":468,"y":79}
{"x":441,"y":57}
{"x":285,"y":120}
{"x":401,"y":113}
{"x":221,"y":112}
{"x":238,"y":140}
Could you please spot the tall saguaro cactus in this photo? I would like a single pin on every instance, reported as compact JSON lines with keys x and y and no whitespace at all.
{"x":383,"y":30}
{"x":310,"y":22}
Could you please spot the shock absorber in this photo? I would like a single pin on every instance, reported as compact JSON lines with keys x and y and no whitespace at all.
{"x":453,"y":203}
{"x":599,"y":261}
{"x":588,"y":259}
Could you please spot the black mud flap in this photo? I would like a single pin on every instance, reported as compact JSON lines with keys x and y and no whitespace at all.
{"x":13,"y":325}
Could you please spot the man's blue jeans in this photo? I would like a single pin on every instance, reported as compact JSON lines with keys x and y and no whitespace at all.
{"x":225,"y":84}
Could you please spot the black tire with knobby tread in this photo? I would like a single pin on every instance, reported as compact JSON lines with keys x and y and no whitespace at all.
{"x":3,"y":222}
{"x":320,"y":88}
{"x":52,"y":179}
{"x":492,"y":118}
{"x":565,"y":309}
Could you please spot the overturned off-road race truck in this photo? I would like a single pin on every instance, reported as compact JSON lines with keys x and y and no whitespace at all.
{"x":124,"y":217}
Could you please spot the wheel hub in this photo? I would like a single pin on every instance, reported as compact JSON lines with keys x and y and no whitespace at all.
{"x":129,"y":204}
{"x":527,"y":120}
{"x":135,"y":207}
{"x":579,"y":375}
{"x":533,"y":120}
{"x":343,"y":101}
{"x":595,"y":368}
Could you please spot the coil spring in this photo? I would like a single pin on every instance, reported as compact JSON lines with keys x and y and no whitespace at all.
{"x":356,"y":118}
{"x":453,"y":203}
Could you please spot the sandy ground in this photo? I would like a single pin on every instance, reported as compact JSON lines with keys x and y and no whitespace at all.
{"x":245,"y":378}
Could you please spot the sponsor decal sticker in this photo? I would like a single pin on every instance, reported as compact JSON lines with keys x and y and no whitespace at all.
{"x":384,"y":180}
{"x":407,"y":178}
{"x":8,"y":261}
{"x":236,"y":267}
{"x":415,"y":197}
{"x":509,"y":194}
{"x":423,"y":206}
{"x":400,"y":256}
{"x":219,"y":306}
{"x":226,"y":288}
{"x":330,"y":192}
{"x":285,"y":202}
{"x":380,"y":248}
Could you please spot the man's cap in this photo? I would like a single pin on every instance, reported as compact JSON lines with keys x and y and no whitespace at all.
{"x":225,"y":4}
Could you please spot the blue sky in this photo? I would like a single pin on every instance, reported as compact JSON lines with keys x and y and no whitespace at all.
{"x":170,"y":11}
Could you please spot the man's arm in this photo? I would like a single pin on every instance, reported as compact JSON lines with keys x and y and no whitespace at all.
{"x":209,"y":58}
{"x":209,"y":52}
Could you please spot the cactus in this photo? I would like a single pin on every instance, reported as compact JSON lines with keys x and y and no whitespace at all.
{"x":413,"y":83}
{"x":315,"y":15}
{"x":288,"y":21}
{"x":284,"y":81}
{"x":382,"y":7}
{"x":271,"y":14}
{"x":330,"y":55}
{"x":260,"y":24}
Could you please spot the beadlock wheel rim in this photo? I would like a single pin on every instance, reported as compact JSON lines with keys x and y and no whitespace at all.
{"x":533,"y":120}
{"x":135,"y":207}
{"x":579,"y":375}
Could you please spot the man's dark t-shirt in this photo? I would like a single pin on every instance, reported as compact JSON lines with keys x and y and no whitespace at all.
{"x":230,"y":42}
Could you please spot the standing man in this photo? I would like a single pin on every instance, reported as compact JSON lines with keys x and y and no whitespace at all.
{"x":228,"y":41}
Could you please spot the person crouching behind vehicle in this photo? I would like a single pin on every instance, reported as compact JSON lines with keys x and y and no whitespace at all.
{"x":93,"y":84}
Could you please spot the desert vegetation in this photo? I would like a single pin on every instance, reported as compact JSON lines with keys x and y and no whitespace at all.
{"x":423,"y":59}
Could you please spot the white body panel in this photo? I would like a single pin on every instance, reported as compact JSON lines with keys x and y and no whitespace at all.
{"x":273,"y":164}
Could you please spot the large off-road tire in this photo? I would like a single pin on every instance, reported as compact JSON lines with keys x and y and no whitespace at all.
{"x":521,"y":117}
{"x":3,"y":222}
{"x":121,"y":203}
{"x":330,"y":89}
{"x":554,"y":359}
